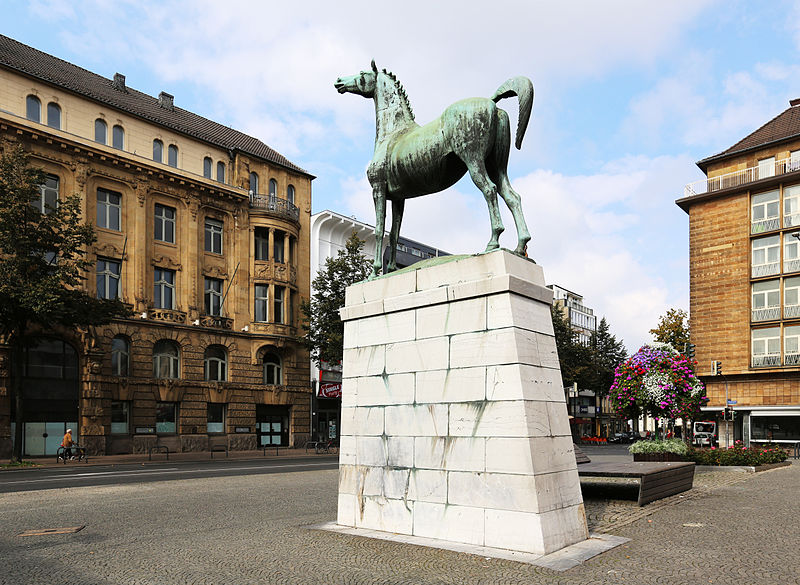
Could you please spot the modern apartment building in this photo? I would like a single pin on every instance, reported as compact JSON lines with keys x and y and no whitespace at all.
{"x":202,"y":230}
{"x":580,"y":317}
{"x":744,"y":266}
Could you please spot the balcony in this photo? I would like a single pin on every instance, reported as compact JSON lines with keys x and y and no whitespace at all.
{"x":274,"y":205}
{"x":739,"y":178}
{"x":766,"y":314}
{"x":791,"y":265}
{"x":765,"y":225}
{"x":760,"y":270}
{"x":216,"y":322}
{"x":766,"y":361}
{"x":791,"y":311}
{"x":791,"y":359}
{"x":168,"y":315}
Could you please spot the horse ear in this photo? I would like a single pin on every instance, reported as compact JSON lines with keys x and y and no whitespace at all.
{"x":374,"y":67}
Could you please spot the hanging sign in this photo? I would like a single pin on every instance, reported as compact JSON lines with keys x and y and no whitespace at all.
{"x":330,"y":390}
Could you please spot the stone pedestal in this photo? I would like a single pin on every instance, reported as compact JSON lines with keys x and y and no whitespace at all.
{"x":454,"y":424}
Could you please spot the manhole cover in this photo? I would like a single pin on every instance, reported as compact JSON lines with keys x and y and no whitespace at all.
{"x":44,"y":531}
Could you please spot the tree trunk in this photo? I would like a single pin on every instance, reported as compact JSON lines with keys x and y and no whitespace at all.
{"x":16,"y":388}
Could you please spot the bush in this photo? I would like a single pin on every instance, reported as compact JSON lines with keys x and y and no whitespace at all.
{"x":738,"y":455}
{"x":659,"y":446}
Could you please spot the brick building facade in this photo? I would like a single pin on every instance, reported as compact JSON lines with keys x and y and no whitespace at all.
{"x":202,"y":230}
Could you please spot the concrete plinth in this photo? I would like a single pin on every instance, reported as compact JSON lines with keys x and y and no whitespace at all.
{"x":454,"y":424}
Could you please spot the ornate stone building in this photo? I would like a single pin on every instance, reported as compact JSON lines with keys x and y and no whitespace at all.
{"x":744,"y":268}
{"x":202,"y":230}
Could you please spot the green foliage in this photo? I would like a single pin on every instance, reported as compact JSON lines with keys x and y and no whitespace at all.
{"x":738,"y":455}
{"x":607,"y":354}
{"x":672,"y":328}
{"x":323,"y":329}
{"x":660,"y":446}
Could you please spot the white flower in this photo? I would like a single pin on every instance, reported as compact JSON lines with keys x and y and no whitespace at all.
{"x":656,"y":385}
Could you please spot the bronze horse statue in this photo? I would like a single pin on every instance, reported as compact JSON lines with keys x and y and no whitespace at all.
{"x":412,"y":160}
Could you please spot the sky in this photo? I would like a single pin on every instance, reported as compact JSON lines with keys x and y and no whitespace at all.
{"x":628,"y":96}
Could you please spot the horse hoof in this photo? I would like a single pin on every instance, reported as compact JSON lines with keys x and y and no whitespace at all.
{"x":490,"y":247}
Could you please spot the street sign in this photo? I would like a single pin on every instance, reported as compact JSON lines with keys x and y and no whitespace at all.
{"x":731,"y":402}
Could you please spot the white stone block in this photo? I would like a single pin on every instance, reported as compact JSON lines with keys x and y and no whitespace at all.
{"x":563,"y":527}
{"x":557,"y":490}
{"x":385,"y":390}
{"x":361,"y":310}
{"x":369,"y":360}
{"x":347,"y":450}
{"x":448,"y":386}
{"x":500,"y":419}
{"x":380,"y":329}
{"x":524,"y":382}
{"x":346,"y":509}
{"x":349,"y":392}
{"x":371,"y":451}
{"x":514,"y":530}
{"x":522,"y":455}
{"x":496,"y":347}
{"x":416,"y":356}
{"x":380,"y":513}
{"x":428,"y":485}
{"x":348,"y":479}
{"x":448,"y":522}
{"x":429,"y":453}
{"x":384,"y":482}
{"x":510,"y":310}
{"x":428,"y":420}
{"x":382,"y":288}
{"x":419,"y":299}
{"x":450,"y":453}
{"x":367,"y":420}
{"x":400,"y":451}
{"x":493,"y":490}
{"x":451,"y":318}
{"x":559,"y":419}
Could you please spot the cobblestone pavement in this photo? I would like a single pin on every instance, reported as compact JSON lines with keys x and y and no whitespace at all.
{"x":732,"y":528}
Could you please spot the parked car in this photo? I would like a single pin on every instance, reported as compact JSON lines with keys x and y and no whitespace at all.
{"x":703,"y":439}
{"x":619,"y":438}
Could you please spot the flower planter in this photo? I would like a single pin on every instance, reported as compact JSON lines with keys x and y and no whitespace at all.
{"x":657,"y":457}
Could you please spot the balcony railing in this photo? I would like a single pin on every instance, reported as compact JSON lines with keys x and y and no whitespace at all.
{"x":743,"y":177}
{"x":766,"y":314}
{"x":275,"y":205}
{"x":216,"y":322}
{"x":760,"y":270}
{"x":791,"y":311}
{"x":764,"y":225}
{"x":791,"y":359}
{"x":791,"y":265}
{"x":791,"y":220}
{"x":765,"y":361}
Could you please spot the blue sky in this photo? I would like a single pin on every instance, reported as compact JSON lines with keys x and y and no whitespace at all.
{"x":628,"y":96}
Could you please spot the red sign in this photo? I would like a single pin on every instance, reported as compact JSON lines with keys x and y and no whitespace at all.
{"x":330,"y":390}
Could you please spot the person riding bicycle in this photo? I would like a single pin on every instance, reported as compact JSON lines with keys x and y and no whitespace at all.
{"x":67,"y":443}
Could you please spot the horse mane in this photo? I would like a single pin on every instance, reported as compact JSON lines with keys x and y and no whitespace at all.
{"x":401,"y":91}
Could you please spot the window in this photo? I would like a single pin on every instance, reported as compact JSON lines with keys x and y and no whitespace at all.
{"x":216,"y":363}
{"x":262,"y":298}
{"x":216,"y":418}
{"x":791,"y":297}
{"x":100,"y":131}
{"x":164,"y":288}
{"x":207,"y":163}
{"x":172,"y":156}
{"x":120,"y":356}
{"x":766,"y":167}
{"x":48,"y":195}
{"x":775,"y":428}
{"x":290,"y":194}
{"x":54,"y":115}
{"x":108,"y":209}
{"x":277,"y":244}
{"x":166,"y":417}
{"x":278,"y":304}
{"x":166,"y":358}
{"x":221,"y":172}
{"x":272,"y":425}
{"x":158,"y":150}
{"x":213,"y":239}
{"x":273,"y":188}
{"x":120,"y":415}
{"x":213,"y":296}
{"x":766,"y":300}
{"x":33,"y":108}
{"x":765,"y":208}
{"x":794,"y":161}
{"x":272,"y":370}
{"x":791,"y":253}
{"x":262,"y":243}
{"x":118,"y":137}
{"x":51,"y":358}
{"x":108,"y":278}
{"x":766,"y":347}
{"x":164,"y":229}
{"x":791,"y":205}
{"x":791,"y":345}
{"x":254,"y":183}
{"x":766,"y":256}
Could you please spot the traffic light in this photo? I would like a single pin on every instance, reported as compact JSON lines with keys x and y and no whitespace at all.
{"x":716,"y":368}
{"x":689,"y":350}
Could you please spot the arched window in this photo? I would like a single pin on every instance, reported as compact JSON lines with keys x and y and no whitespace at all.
{"x":120,"y":356}
{"x":290,"y":194}
{"x":172,"y":156}
{"x":221,"y":172}
{"x":254,"y":183}
{"x":273,"y":188}
{"x":54,"y":115}
{"x":118,"y":137}
{"x":33,"y":109}
{"x":100,"y":131}
{"x":216,"y":363}
{"x":207,"y":163}
{"x":158,"y":150}
{"x":272,"y":369}
{"x":166,"y":359}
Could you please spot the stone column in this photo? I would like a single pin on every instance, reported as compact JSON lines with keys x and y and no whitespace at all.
{"x":454,"y":424}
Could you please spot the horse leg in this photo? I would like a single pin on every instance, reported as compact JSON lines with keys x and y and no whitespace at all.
{"x":398,"y":206}
{"x":479,"y":176}
{"x":379,"y":197}
{"x":499,"y":175}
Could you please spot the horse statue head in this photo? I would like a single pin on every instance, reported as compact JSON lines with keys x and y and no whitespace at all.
{"x":362,"y":83}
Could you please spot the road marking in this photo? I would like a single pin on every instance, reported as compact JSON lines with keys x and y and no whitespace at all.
{"x":45,"y":531}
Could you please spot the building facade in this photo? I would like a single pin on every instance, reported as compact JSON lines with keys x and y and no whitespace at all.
{"x":202,"y":230}
{"x":329,"y":233}
{"x":744,"y":266}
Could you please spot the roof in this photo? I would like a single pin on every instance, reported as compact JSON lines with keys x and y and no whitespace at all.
{"x":52,"y":70}
{"x":784,"y":126}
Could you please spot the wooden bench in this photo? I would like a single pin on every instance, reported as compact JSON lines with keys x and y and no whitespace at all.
{"x":157,"y":448}
{"x":218,"y":449}
{"x":656,"y":480}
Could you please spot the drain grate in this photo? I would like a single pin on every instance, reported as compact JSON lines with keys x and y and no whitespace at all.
{"x":45,"y":531}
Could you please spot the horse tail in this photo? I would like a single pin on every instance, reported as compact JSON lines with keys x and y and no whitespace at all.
{"x":522,"y":87}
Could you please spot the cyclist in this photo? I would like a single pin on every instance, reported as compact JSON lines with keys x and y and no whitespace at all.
{"x":67,"y":443}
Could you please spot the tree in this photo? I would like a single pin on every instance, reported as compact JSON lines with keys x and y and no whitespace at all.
{"x":574,"y":358}
{"x":673,"y":328}
{"x":324,"y":330}
{"x":608,"y":353}
{"x":42,"y":265}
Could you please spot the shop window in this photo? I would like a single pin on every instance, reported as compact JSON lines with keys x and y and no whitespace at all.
{"x":166,"y":358}
{"x":120,"y":356}
{"x":120,"y":417}
{"x":272,"y":370}
{"x":216,"y":363}
{"x":166,"y":418}
{"x":54,"y":115}
{"x":33,"y":109}
{"x":216,"y":418}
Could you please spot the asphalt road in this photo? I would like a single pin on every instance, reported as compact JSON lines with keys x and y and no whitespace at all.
{"x":121,"y":474}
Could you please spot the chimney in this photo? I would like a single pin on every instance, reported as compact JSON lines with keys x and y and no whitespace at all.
{"x":165,"y":100}
{"x":119,"y":82}
{"x":794,"y":102}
